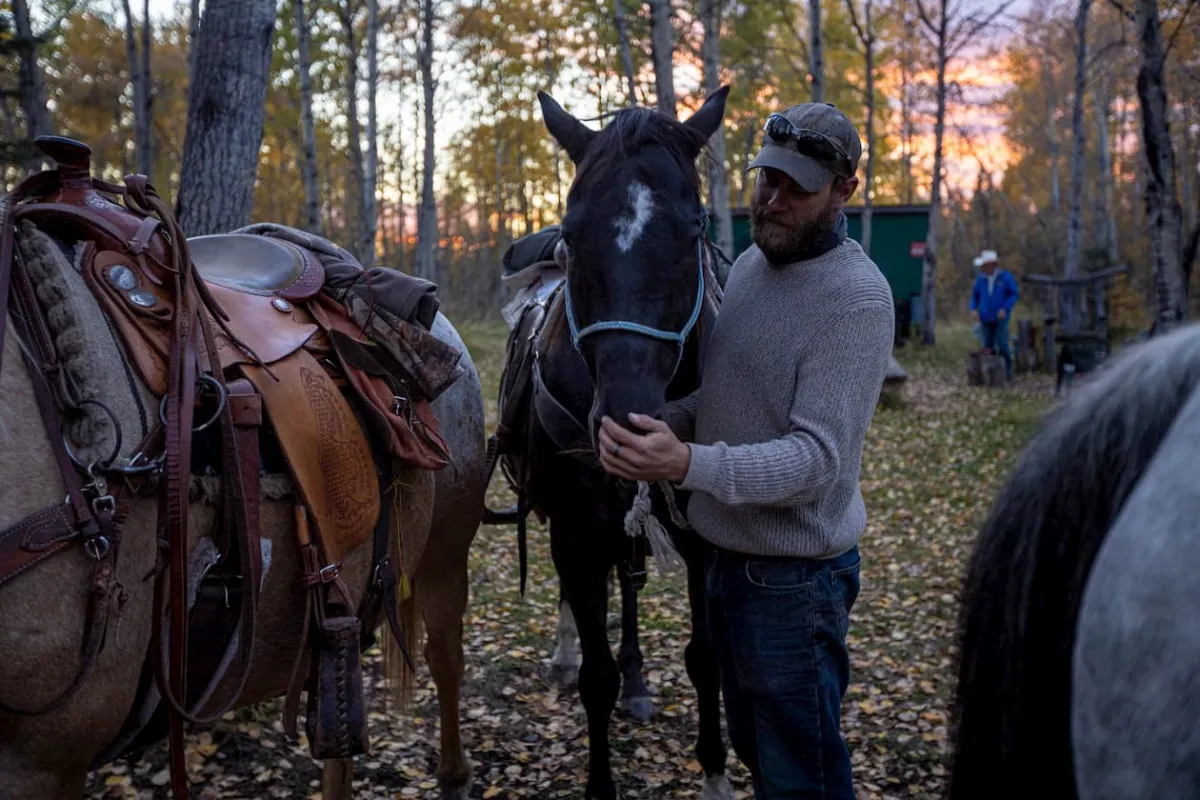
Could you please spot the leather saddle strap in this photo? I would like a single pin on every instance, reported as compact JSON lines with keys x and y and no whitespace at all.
{"x":104,"y":594}
{"x":95,"y":523}
{"x":384,"y":578}
{"x":173,"y":510}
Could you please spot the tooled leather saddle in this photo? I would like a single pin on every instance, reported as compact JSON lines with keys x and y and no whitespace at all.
{"x":236,"y":336}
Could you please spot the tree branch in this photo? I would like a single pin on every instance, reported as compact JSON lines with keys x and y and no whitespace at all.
{"x":979,"y":24}
{"x":862,"y":37}
{"x":52,"y":28}
{"x":1171,"y":43}
{"x":1121,"y":8}
{"x":924,"y":15}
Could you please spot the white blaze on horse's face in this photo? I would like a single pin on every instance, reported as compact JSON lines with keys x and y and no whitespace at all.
{"x":630,"y":228}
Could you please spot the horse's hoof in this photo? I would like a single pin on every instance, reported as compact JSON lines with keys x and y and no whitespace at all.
{"x":717,"y":787}
{"x":565,"y":676}
{"x":460,"y":792}
{"x":640,"y":708}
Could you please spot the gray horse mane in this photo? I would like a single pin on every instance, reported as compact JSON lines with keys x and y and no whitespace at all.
{"x":1025,"y":581}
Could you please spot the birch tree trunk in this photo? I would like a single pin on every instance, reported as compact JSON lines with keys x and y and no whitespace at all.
{"x":31,"y":83}
{"x":662,"y":48}
{"x":371,"y":173}
{"x":146,"y":145}
{"x":226,"y":110}
{"x":718,"y":181}
{"x":193,"y":34}
{"x":816,"y":52}
{"x":308,"y":136}
{"x":1052,"y":133}
{"x":137,"y":78}
{"x":1107,"y":223}
{"x":1162,"y":206}
{"x":427,"y":224}
{"x":929,"y":264}
{"x":906,"y":127}
{"x":1070,"y":322}
{"x":626,"y":52}
{"x":866,"y":36}
{"x":348,"y":11}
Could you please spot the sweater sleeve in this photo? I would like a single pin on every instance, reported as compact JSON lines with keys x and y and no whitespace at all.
{"x":834,"y":401}
{"x":974,"y":296}
{"x":680,"y":416}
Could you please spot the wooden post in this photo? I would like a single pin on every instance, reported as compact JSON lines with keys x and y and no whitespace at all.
{"x":1025,"y":345}
{"x":1101,"y":291}
{"x":1048,"y":355}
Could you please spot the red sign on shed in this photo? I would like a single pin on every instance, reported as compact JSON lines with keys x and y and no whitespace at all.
{"x":916,"y":249}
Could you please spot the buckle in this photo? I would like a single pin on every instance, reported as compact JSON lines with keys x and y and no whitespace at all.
{"x":330,"y":573}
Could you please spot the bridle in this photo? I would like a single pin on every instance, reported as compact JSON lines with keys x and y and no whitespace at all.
{"x":678,"y":337}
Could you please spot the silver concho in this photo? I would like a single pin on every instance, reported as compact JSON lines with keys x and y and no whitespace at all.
{"x":281,"y":305}
{"x":142,"y":298}
{"x":122,"y":277}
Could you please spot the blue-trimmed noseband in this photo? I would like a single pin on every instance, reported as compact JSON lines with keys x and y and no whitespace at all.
{"x":679,"y":337}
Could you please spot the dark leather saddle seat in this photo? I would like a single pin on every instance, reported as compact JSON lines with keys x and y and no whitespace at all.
{"x":256,"y":265}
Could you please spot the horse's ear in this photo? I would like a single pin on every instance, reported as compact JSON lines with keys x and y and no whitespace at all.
{"x":572,"y":134}
{"x":708,"y":117}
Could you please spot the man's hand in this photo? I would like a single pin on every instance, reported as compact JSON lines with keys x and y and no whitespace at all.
{"x":975,"y":316}
{"x":1001,"y":314}
{"x":654,"y":456}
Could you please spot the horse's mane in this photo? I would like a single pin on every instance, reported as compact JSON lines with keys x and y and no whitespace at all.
{"x":1025,"y":581}
{"x":634,"y":128}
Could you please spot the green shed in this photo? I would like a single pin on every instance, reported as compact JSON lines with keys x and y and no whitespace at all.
{"x":897,"y":242}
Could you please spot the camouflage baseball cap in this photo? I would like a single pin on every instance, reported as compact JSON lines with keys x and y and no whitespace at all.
{"x":810,"y":142}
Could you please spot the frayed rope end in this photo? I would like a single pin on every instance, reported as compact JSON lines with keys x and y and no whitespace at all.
{"x":640,"y":521}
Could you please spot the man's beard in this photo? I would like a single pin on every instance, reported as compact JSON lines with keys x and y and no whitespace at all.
{"x":783,"y":240}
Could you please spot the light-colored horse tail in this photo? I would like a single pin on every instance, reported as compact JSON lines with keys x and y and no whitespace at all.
{"x":398,"y":675}
{"x":1026,"y":578}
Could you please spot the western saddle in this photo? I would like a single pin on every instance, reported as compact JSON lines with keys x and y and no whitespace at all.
{"x":228,"y":332}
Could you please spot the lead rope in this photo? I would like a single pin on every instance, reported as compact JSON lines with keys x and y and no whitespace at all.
{"x":640,"y":521}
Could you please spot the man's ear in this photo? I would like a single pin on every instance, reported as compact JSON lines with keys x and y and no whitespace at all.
{"x":847,"y":188}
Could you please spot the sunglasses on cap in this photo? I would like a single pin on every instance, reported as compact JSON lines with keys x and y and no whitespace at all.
{"x":814,"y":144}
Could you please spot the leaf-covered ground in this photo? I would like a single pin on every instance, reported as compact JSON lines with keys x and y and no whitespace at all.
{"x":933,"y":460}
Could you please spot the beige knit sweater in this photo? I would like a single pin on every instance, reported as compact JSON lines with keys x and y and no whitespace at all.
{"x":791,"y":379}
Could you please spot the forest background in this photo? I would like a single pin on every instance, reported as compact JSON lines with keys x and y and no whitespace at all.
{"x":408,"y":131}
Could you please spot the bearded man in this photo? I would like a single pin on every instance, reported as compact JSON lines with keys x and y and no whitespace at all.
{"x":770,"y":449}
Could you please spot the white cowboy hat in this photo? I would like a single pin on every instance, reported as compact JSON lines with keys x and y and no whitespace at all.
{"x":987,"y":257}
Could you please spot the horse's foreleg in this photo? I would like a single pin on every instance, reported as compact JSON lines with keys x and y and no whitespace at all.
{"x":702,"y":668}
{"x":636,"y":697}
{"x":584,"y":576}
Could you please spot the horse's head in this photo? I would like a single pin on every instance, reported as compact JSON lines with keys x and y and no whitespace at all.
{"x":632,"y":240}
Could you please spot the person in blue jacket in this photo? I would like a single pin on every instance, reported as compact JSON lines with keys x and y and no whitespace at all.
{"x":992,"y":299}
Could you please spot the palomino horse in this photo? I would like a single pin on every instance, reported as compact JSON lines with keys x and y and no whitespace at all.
{"x":623,"y":333}
{"x":1079,"y":644}
{"x":47,"y":610}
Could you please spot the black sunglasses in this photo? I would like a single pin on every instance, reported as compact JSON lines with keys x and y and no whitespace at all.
{"x":814,"y":144}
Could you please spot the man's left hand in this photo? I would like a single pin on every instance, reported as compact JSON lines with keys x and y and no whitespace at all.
{"x":656,"y":455}
{"x":1001,"y":314}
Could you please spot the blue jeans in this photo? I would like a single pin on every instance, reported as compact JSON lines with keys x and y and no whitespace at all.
{"x":995,"y":336}
{"x":779,"y":628}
